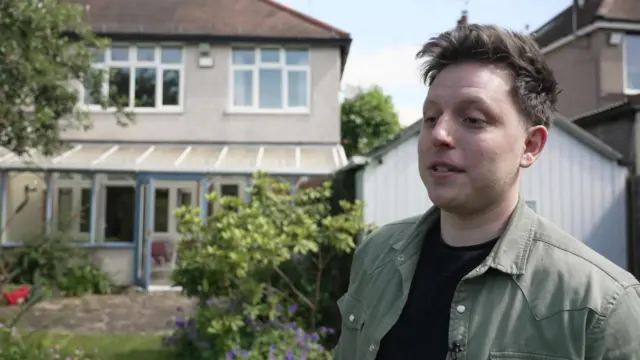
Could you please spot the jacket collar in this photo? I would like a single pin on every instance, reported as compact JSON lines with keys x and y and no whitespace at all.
{"x":510,"y":253}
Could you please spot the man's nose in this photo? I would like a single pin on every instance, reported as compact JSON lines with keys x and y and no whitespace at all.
{"x":443,"y":132}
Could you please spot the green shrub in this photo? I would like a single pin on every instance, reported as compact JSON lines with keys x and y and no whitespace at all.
{"x":53,"y":262}
{"x":82,"y":278}
{"x":244,"y":267}
{"x":15,"y":347}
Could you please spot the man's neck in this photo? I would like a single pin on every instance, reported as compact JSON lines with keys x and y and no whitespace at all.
{"x":477,"y":228}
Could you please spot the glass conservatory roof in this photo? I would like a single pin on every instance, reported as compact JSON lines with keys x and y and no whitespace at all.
{"x":201,"y":159}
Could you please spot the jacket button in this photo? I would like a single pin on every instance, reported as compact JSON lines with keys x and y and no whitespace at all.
{"x":461,"y":308}
{"x":372,"y":347}
{"x":351,"y":318}
{"x":400,"y":257}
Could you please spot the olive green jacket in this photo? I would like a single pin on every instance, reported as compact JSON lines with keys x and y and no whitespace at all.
{"x":552,"y":297}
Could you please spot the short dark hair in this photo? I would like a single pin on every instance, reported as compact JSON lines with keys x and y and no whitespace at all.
{"x":536,"y":89}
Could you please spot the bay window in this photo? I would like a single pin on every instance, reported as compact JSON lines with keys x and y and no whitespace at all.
{"x":270,"y":79}
{"x":140,"y":77}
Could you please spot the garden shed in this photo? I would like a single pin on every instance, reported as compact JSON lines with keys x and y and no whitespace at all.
{"x":579,"y":183}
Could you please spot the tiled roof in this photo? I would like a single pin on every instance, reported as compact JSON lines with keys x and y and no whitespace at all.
{"x":224,"y":18}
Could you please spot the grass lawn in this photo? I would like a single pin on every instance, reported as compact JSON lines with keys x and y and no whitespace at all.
{"x":112,"y":347}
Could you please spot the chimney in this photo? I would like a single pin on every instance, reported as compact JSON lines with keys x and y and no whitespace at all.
{"x":463,"y":21}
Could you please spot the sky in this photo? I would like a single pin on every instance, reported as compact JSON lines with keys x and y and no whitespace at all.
{"x":387,"y":34}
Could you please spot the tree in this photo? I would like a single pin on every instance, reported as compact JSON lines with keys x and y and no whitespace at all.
{"x":368,"y":120}
{"x":45,"y":46}
{"x":258,"y":269}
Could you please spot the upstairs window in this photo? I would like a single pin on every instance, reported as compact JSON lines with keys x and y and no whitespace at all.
{"x":142,"y":77}
{"x":632,"y":63}
{"x":270,"y":79}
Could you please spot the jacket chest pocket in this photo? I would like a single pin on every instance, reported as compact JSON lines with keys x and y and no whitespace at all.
{"x":353,"y":314}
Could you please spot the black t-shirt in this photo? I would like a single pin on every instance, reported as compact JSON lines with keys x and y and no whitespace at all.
{"x":422,"y":331}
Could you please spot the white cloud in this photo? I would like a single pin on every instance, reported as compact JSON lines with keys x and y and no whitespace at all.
{"x":389,"y":67}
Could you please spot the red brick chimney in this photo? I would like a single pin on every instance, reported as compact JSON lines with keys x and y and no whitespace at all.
{"x":463,"y":21}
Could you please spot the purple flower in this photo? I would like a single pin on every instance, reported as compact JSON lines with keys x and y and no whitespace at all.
{"x":180,"y":322}
{"x":293,"y":308}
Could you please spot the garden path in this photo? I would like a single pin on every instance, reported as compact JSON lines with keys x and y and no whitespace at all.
{"x":126,"y":313}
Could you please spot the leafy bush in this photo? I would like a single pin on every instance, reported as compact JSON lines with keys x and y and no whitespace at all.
{"x":15,"y":347}
{"x":278,"y":338}
{"x":52,"y":261}
{"x":84,"y":277}
{"x":247,"y":257}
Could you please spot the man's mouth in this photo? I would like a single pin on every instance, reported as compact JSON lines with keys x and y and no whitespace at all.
{"x":444,"y":168}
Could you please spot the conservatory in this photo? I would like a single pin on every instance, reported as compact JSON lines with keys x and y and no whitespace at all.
{"x":120,"y":199}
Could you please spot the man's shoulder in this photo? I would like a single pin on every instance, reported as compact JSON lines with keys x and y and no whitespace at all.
{"x":577,"y":269}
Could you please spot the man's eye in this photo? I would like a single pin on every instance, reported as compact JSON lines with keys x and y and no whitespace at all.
{"x":473,"y":121}
{"x":430,"y":120}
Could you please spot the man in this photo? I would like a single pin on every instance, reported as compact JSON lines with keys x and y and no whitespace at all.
{"x":480,"y":275}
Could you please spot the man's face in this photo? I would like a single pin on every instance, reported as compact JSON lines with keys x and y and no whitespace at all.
{"x":474,"y":139}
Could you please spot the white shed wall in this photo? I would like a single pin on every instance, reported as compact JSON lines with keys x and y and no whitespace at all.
{"x":573,"y":186}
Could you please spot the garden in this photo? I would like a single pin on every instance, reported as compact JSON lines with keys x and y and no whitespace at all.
{"x":259,"y":280}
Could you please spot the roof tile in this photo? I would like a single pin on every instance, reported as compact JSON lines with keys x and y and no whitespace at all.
{"x":242,"y":18}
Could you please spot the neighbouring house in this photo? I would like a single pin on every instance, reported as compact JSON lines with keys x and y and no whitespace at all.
{"x":619,"y":126}
{"x":594,"y":49}
{"x":220,"y":89}
{"x":578,"y":183}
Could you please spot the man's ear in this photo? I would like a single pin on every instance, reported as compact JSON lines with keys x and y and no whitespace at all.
{"x":534,"y":143}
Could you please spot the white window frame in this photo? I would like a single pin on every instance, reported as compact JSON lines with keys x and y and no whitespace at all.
{"x":255,"y":108}
{"x":132,"y":63}
{"x":625,"y":69}
{"x":77,"y":183}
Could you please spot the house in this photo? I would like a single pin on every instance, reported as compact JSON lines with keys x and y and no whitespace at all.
{"x":578,"y":183}
{"x":619,"y":126}
{"x":220,"y":89}
{"x":594,"y":49}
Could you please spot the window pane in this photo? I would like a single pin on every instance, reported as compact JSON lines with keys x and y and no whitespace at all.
{"x":244,"y":56}
{"x":184,"y":197}
{"x":632,"y":61}
{"x":120,"y":213}
{"x":65,"y":209}
{"x":98,"y":55}
{"x":243,"y":87}
{"x":229,"y":190}
{"x":85,"y":210}
{"x":270,"y":55}
{"x":171,"y":55}
{"x":120,"y":53}
{"x":161,"y":220}
{"x":146,"y":53}
{"x":170,"y":87}
{"x":297,"y":57}
{"x":270,"y":88}
{"x":119,"y":89}
{"x":297,"y":83}
{"x":91,"y":91}
{"x":145,"y":87}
